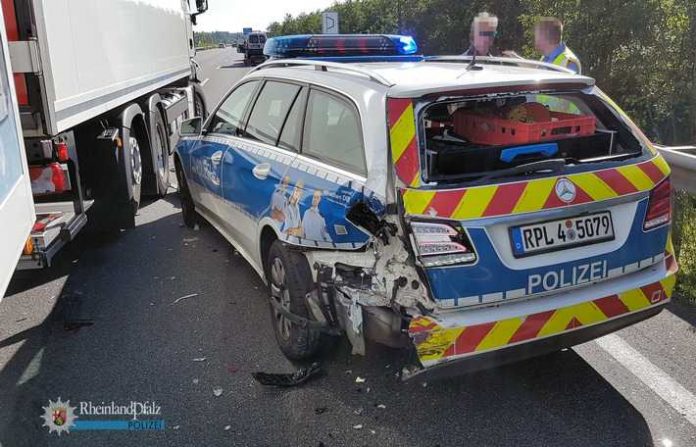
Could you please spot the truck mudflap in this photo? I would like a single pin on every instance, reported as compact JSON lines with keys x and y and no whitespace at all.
{"x":448,"y":337}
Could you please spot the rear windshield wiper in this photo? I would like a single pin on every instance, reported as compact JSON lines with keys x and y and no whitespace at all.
{"x":553,"y":165}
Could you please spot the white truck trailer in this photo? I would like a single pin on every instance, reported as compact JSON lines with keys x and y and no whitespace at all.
{"x":100,"y":88}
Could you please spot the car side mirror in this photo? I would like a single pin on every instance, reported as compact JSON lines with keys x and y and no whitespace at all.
{"x":192,"y":127}
{"x":201,"y":6}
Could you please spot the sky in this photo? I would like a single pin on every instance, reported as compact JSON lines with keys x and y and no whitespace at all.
{"x":233,"y":15}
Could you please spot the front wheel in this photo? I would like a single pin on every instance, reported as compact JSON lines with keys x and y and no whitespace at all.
{"x":290,"y":280}
{"x":188,"y":209}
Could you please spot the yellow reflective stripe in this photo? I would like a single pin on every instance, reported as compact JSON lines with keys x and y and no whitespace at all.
{"x":415,"y":183}
{"x":668,"y":284}
{"x":438,"y":341}
{"x":594,"y":186}
{"x":535,"y":195}
{"x":669,"y":246}
{"x":586,"y":313}
{"x":415,"y":202}
{"x":637,"y":177}
{"x":662,"y":165}
{"x":474,"y":202}
{"x":634,"y":299}
{"x":501,"y":334}
{"x":402,"y":132}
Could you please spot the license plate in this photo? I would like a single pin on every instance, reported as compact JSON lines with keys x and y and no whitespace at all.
{"x":563,"y":233}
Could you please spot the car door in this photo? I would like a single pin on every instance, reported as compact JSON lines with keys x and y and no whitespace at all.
{"x":207,"y":156}
{"x":254,"y":183}
{"x":16,"y":202}
{"x":329,"y":176}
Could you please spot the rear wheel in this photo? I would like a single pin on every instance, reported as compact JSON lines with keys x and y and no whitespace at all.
{"x":290,"y":280}
{"x":136,"y":167}
{"x":160,"y":147}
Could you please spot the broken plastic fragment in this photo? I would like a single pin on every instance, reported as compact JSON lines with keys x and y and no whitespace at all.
{"x":358,"y":427}
{"x":227,"y":427}
{"x":217,"y":391}
{"x":382,"y":406}
{"x":195,"y":381}
{"x":290,"y":379}
{"x":199,"y":359}
{"x":190,"y":295}
{"x":359,"y":380}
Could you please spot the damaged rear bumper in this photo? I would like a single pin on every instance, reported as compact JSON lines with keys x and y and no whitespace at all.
{"x":455,"y":342}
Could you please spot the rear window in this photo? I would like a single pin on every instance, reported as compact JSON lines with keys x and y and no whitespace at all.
{"x":332,"y":132}
{"x":478,"y":138}
{"x":257,"y":38}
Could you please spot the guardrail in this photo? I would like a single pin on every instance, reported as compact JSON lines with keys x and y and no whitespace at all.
{"x":682,"y":160}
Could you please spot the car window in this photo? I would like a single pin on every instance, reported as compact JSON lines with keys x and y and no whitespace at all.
{"x":254,"y":39}
{"x":228,"y":118}
{"x":270,"y":110}
{"x":332,"y":132}
{"x":290,"y":135}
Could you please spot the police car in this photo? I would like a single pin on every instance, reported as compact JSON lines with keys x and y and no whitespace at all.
{"x":471,"y":211}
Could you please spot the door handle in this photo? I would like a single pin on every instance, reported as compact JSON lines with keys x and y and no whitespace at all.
{"x":261,"y":171}
{"x":216,"y":157}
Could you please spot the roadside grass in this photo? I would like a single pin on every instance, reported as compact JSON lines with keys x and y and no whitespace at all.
{"x":684,"y":237}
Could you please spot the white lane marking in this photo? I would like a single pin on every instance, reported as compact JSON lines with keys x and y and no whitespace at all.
{"x":205,"y":81}
{"x":681,"y":399}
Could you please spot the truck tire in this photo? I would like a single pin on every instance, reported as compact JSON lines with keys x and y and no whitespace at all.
{"x":160,"y":149}
{"x":188,"y":209}
{"x":199,"y":108}
{"x":290,"y":280}
{"x":136,"y":167}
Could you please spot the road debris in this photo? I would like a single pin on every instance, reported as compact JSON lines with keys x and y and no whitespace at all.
{"x":382,"y":406}
{"x":176,"y":427}
{"x":288,"y":379}
{"x":217,"y":391}
{"x":190,"y":239}
{"x":232,"y":369}
{"x":358,"y":411}
{"x":227,"y":427}
{"x":358,"y":427}
{"x":191,"y":295}
{"x":320,"y":410}
{"x":199,"y":359}
{"x":359,"y":380}
{"x":195,"y":381}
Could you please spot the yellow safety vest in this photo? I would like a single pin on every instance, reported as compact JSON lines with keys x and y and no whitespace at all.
{"x":565,"y":58}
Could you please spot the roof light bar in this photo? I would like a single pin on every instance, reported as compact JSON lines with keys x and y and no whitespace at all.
{"x":340,"y":45}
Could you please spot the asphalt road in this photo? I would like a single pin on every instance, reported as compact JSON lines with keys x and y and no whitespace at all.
{"x":107,"y":324}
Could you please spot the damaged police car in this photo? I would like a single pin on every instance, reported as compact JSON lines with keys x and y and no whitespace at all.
{"x":473,"y":212}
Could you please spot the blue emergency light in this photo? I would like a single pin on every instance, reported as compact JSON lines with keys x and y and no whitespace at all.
{"x":343,"y":47}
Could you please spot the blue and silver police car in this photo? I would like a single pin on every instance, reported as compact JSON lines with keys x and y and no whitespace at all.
{"x":473,"y":211}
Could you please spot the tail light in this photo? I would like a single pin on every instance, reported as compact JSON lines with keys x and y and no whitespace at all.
{"x":440,"y":244}
{"x":659,"y":205}
{"x":49,"y":179}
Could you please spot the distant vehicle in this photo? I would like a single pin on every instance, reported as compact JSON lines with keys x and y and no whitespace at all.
{"x":221,"y":45}
{"x":469,"y":211}
{"x":99,"y":113}
{"x":253,"y":48}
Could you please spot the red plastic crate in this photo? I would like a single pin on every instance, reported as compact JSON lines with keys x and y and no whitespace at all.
{"x":491,"y":130}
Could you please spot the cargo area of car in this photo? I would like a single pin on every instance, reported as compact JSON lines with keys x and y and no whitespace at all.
{"x":470,"y":138}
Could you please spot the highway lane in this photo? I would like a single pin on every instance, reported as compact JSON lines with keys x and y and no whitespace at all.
{"x":107,"y":324}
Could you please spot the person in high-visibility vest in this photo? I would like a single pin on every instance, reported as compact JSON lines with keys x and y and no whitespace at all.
{"x":548,"y":38}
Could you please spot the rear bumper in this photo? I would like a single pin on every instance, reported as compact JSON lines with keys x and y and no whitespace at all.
{"x":516,"y":353}
{"x":471,"y":339}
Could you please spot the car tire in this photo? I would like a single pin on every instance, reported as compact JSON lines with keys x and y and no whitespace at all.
{"x":290,"y":280}
{"x":188,"y":209}
{"x":160,"y":148}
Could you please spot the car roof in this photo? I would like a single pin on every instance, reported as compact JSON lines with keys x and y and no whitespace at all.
{"x":415,"y":79}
